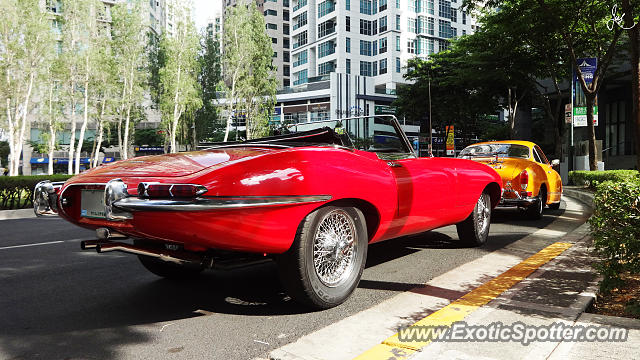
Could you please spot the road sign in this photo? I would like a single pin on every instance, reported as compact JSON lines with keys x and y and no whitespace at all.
{"x":568,"y":113}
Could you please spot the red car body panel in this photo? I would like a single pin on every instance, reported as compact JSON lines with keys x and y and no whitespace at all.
{"x":405,"y":196}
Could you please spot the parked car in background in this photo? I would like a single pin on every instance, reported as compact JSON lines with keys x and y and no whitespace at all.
{"x":528,"y":178}
{"x":313,"y":200}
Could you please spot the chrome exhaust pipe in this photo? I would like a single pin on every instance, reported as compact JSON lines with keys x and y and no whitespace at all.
{"x":108,"y":234}
{"x":89,"y":244}
{"x":177,"y":257}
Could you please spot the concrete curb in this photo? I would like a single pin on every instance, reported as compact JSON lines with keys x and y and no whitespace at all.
{"x":17,"y":214}
{"x":588,"y":296}
{"x":580,"y":194}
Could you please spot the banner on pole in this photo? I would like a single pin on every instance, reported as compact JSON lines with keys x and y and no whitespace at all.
{"x":451,"y":148}
{"x":588,"y":68}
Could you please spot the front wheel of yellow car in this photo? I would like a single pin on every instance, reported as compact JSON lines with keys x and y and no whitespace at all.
{"x":324,"y":264}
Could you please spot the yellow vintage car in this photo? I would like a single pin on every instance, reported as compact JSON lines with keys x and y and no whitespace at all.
{"x":528,"y":179}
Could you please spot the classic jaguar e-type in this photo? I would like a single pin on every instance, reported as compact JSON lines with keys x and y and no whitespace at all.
{"x":312,"y":199}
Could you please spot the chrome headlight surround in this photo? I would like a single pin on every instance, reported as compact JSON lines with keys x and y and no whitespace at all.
{"x":114,"y":191}
{"x":45,"y":198}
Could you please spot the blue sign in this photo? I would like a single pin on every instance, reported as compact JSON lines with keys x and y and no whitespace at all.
{"x":39,"y":160}
{"x":61,"y":161}
{"x":588,"y":68}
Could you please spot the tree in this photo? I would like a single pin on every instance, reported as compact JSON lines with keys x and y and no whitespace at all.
{"x":206,"y":124}
{"x":248,"y":72}
{"x":129,"y":38}
{"x":53,"y":112}
{"x":92,"y":43}
{"x":178,"y":76}
{"x":75,"y":17}
{"x":259,"y":90}
{"x":105,"y":94}
{"x":582,"y":26}
{"x":26,"y":41}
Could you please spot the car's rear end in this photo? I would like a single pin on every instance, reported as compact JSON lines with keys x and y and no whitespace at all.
{"x":511,"y":162}
{"x":179,"y":205}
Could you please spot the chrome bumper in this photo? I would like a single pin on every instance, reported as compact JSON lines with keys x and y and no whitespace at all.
{"x":119,"y":205}
{"x":519,"y":200}
{"x":213,"y":203}
{"x":45,"y":198}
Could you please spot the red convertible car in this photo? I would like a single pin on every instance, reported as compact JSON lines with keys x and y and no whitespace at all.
{"x":312,"y":199}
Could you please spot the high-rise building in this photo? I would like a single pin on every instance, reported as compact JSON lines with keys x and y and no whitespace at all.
{"x":215,"y":21}
{"x":277,"y":22}
{"x":343,"y":58}
{"x":372,"y":38}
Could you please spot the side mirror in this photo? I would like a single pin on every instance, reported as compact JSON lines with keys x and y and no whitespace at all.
{"x":555,"y":162}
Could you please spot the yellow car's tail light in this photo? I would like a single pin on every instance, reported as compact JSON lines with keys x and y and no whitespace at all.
{"x":524,"y":179}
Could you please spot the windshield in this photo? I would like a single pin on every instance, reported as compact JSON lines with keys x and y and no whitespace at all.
{"x":374,"y":133}
{"x":502,"y":150}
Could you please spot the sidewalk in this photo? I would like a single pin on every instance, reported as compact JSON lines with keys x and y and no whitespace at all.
{"x":557,"y":293}
{"x":17,"y":214}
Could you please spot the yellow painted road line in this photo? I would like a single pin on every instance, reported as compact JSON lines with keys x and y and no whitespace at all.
{"x":393,"y":348}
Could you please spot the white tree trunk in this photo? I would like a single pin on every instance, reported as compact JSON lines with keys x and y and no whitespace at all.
{"x":100,"y":131}
{"x":23,"y":126}
{"x":125,"y":139}
{"x":12,"y":152}
{"x":52,"y":132}
{"x":176,"y":112}
{"x":121,"y":113}
{"x":72,"y":139}
{"x":230,"y":106}
{"x":85,"y":120}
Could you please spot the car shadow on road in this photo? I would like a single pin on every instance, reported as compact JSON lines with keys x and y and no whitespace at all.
{"x":121,"y":304}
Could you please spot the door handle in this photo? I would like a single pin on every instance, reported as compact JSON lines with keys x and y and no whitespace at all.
{"x":394,"y":164}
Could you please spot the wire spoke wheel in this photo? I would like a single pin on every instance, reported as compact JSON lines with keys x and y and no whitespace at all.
{"x":334,"y":246}
{"x":483,"y":213}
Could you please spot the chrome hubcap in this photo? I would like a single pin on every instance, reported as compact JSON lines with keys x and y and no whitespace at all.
{"x":334,"y":248}
{"x":483,"y":211}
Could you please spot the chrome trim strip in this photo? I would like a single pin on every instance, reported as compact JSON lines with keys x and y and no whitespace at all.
{"x":213,"y":203}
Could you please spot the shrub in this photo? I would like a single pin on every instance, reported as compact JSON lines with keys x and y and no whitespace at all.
{"x":615,"y":226}
{"x":593,"y":178}
{"x":16,"y":192}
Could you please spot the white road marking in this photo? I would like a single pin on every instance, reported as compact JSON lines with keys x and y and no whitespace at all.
{"x":39,"y":244}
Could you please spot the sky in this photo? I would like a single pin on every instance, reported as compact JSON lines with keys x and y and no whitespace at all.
{"x":204,"y":9}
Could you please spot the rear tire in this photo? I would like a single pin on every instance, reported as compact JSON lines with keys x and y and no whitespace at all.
{"x":555,"y":206}
{"x":534,"y":211}
{"x":474,"y":230}
{"x":325,"y":262}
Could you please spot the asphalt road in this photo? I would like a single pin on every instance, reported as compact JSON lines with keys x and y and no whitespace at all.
{"x":58,"y":302}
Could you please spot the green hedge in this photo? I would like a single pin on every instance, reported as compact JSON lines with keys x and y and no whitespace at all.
{"x":615,"y":226}
{"x":593,"y":178}
{"x":16,"y":192}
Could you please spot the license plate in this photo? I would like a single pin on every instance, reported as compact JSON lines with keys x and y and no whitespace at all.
{"x":92,"y":204}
